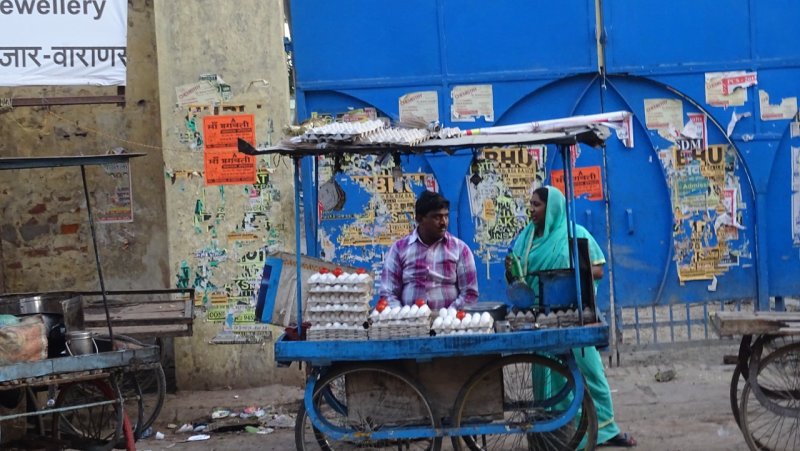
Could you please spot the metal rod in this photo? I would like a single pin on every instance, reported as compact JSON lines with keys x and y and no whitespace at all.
{"x":573,"y":239}
{"x":297,"y":249}
{"x":96,"y":252}
{"x":59,"y":409}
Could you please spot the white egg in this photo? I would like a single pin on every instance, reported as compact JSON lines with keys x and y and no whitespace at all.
{"x":424,"y":310}
{"x":457,"y":323}
{"x":486,"y":319}
{"x":451,"y":311}
{"x":437,"y":323}
{"x":403,"y":313}
{"x":314,"y":278}
{"x":448,"y":322}
{"x":414,"y":310}
{"x":374,"y":314}
{"x":396,"y":311}
{"x":442,"y":312}
{"x":529,"y":315}
{"x":386,"y":313}
{"x":476,"y":321}
{"x":520,"y":315}
{"x":467,"y":318}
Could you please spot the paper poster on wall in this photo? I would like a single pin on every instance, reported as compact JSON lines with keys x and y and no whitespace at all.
{"x":202,"y":92}
{"x":718,"y":90}
{"x":63,"y":42}
{"x":114,"y":202}
{"x":419,"y":105}
{"x":796,"y":219}
{"x":224,"y":164}
{"x":499,"y":185}
{"x":663,"y":114}
{"x":707,"y":210}
{"x":470,"y":102}
{"x":795,"y":168}
{"x":786,"y":109}
{"x":587,"y":181}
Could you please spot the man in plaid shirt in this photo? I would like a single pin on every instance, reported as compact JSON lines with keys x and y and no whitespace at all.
{"x":430,"y":263}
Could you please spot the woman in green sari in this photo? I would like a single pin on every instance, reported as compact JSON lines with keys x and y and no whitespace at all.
{"x":543,"y":245}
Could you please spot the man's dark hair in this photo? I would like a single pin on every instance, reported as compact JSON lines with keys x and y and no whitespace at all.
{"x":429,"y":201}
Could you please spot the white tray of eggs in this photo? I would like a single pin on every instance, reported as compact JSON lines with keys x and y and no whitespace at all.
{"x":457,"y":322}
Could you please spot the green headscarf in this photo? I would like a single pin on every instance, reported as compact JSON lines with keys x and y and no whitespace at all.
{"x":549,"y":251}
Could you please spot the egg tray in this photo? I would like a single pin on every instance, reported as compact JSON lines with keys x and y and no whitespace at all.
{"x":399,"y":331}
{"x":322,"y":334}
{"x":361,"y":289}
{"x":344,"y":308}
{"x":333,"y":317}
{"x":469,"y":331}
{"x":404,"y":322}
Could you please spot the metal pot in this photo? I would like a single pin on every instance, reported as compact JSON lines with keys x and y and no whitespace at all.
{"x":81,"y":342}
{"x":497,"y":310}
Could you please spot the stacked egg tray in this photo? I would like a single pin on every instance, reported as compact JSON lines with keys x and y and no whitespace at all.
{"x":400,"y":322}
{"x":448,"y":323}
{"x":338,"y":306}
{"x":524,"y":319}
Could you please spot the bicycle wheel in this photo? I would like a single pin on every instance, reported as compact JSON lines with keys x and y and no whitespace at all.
{"x":361,"y":401}
{"x":764,"y":345}
{"x":775,"y":424}
{"x":535,"y":389}
{"x":96,"y":428}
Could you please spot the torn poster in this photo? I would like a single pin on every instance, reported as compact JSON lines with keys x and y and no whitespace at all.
{"x":786,"y":109}
{"x":422,"y":105}
{"x":732,"y":83}
{"x":715,"y":93}
{"x":663,"y":113}
{"x":735,"y":118}
{"x":470,"y":102}
{"x":795,"y":168}
{"x":796,"y":219}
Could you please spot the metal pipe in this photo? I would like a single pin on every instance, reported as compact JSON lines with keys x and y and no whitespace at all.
{"x":297,"y":249}
{"x":96,"y":253}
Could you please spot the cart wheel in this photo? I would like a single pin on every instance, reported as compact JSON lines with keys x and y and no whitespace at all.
{"x":775,"y":424}
{"x":774,"y":378}
{"x":96,"y":428}
{"x":144,"y":392}
{"x":360,"y":399}
{"x":768,"y":344}
{"x":526,"y":401}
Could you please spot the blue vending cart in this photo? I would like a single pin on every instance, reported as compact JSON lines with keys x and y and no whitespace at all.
{"x":515,"y":388}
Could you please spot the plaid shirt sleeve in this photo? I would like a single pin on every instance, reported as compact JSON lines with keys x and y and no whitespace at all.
{"x":392,"y":276}
{"x":467,"y":278}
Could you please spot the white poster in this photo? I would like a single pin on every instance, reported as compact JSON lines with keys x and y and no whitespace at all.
{"x":471,"y":102}
{"x":63,"y":42}
{"x":419,"y":105}
{"x":795,"y":168}
{"x":796,"y":219}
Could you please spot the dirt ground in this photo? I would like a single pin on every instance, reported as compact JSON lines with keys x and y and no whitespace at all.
{"x":689,"y":412}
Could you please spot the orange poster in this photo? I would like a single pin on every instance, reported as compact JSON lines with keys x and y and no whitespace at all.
{"x":587,"y":181}
{"x":224,"y":164}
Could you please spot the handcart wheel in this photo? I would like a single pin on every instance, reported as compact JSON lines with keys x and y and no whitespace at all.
{"x":144,"y":390}
{"x":774,"y":425}
{"x":535,"y":389}
{"x":95,"y":428}
{"x":358,"y":400}
{"x":769,"y":343}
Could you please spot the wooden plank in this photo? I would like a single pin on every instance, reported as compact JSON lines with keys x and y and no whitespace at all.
{"x":755,"y":323}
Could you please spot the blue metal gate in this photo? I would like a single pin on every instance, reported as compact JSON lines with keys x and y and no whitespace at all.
{"x":698,"y":216}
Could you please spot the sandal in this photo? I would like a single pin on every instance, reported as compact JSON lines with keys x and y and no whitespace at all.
{"x":622,"y":440}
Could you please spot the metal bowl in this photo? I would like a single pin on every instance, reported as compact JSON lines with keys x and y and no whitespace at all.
{"x":33,"y":303}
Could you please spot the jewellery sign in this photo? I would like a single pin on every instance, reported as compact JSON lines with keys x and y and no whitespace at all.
{"x":63,"y":42}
